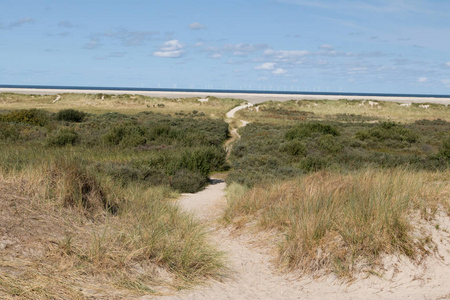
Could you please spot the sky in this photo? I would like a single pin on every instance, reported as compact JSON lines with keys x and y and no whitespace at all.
{"x":378,"y":46}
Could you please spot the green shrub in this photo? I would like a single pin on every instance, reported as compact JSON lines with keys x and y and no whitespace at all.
{"x":186,"y":181}
{"x":70,"y":115}
{"x":388,"y":131}
{"x":126,"y":135}
{"x":33,"y":116}
{"x":63,"y":137}
{"x":9,"y":132}
{"x":127,"y":173}
{"x":445,"y":149}
{"x":309,"y":129}
{"x":330,"y":144}
{"x":294,"y":148}
{"x":313,"y":163}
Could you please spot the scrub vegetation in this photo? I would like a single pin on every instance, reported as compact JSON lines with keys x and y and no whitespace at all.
{"x":340,"y":189}
{"x":88,"y":184}
{"x":94,"y":196}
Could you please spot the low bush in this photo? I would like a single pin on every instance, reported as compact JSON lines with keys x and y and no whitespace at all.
{"x":32,"y":116}
{"x":445,"y":149}
{"x":186,"y":181}
{"x":126,"y":135}
{"x":294,"y":148}
{"x":308,"y":129}
{"x":9,"y":132}
{"x":70,"y":115}
{"x":63,"y":137}
{"x":388,"y":131}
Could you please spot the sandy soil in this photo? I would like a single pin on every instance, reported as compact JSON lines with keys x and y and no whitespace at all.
{"x":253,"y":275}
{"x":253,"y":98}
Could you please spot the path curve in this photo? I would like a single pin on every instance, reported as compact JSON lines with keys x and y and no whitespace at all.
{"x":253,"y":275}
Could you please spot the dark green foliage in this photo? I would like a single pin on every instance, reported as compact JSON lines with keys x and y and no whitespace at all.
{"x":70,"y":115}
{"x":445,"y":149}
{"x":270,"y":152}
{"x":330,"y":143}
{"x":128,"y":173}
{"x":9,"y":132}
{"x":388,"y":131}
{"x":309,"y":129}
{"x":33,"y":116}
{"x":126,"y":135}
{"x":186,"y":181}
{"x":147,"y":148}
{"x":294,"y":148}
{"x":63,"y":137}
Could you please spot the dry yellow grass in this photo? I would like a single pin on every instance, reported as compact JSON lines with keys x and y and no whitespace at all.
{"x":332,"y":221}
{"x":66,"y":235}
{"x":331,"y":109}
{"x":127,"y":104}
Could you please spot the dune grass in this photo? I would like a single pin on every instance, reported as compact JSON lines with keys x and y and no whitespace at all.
{"x":329,"y":221}
{"x":86,"y":202}
{"x":123,"y":103}
{"x":293,"y":111}
{"x":82,"y":235}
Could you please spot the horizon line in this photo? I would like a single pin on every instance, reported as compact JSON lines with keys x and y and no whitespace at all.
{"x":212,"y":90}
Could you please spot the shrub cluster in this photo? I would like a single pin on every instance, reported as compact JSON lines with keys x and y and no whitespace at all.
{"x":149,"y":148}
{"x":32,"y":116}
{"x":70,"y":115}
{"x":63,"y":137}
{"x":267,"y":152}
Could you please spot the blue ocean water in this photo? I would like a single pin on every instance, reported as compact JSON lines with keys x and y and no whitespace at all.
{"x":52,"y":87}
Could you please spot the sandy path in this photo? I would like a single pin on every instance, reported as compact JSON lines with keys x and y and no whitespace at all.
{"x":253,"y":275}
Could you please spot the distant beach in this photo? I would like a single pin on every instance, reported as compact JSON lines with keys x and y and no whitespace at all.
{"x":253,"y":96}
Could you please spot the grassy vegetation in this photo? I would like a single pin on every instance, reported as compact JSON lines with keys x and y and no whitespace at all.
{"x":126,"y":103}
{"x":91,"y":178}
{"x":149,"y":148}
{"x":267,"y":152}
{"x":80,"y":231}
{"x":332,"y":221}
{"x":97,"y":190}
{"x":340,"y":181}
{"x":291,"y":112}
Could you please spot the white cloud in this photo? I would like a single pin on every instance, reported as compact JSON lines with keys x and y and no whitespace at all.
{"x":446,"y":82}
{"x":285,"y":54}
{"x":448,"y":64}
{"x":172,"y":49}
{"x":216,"y":55}
{"x":265,"y":66}
{"x":125,"y":37}
{"x":326,"y":47}
{"x":422,"y":79}
{"x":196,"y":26}
{"x":243,"y":49}
{"x":279,"y":71}
{"x":93,"y":43}
{"x":18,"y":23}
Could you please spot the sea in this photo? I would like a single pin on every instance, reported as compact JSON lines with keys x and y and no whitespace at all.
{"x":103,"y":88}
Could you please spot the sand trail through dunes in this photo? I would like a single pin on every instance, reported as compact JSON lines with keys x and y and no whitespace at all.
{"x":253,"y":274}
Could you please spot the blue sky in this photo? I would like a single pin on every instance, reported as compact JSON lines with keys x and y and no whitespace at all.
{"x":396,"y":46}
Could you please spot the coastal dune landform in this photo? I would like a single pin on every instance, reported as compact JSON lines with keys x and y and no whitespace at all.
{"x":159,"y":195}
